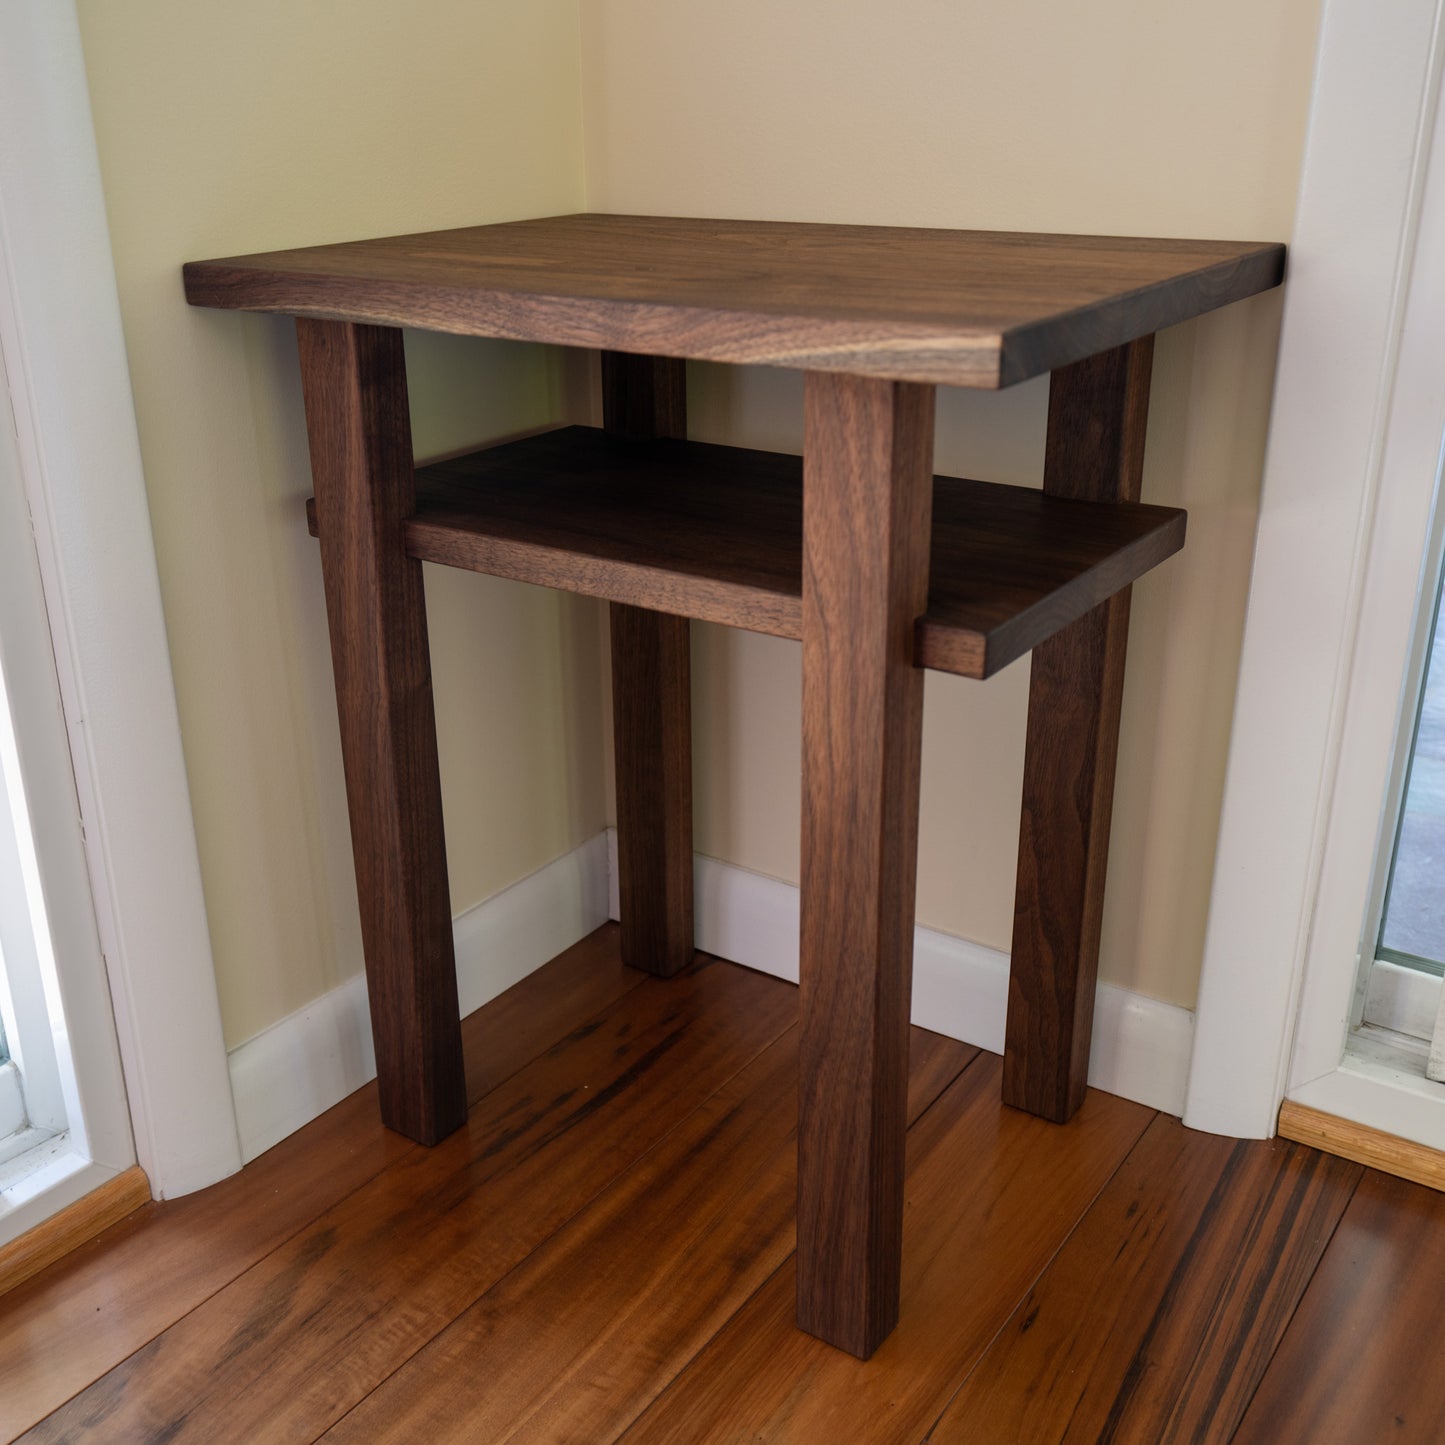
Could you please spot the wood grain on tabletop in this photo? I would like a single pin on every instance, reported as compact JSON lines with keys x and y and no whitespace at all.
{"x":67,"y":1327}
{"x":716,"y":533}
{"x":966,"y":308}
{"x":312,"y":1328}
{"x":631,"y":1288}
{"x":992,"y":1194}
{"x":646,"y":397}
{"x":1159,"y":1315}
{"x":1361,"y":1359}
{"x":353,"y":379}
{"x":1098,"y":412}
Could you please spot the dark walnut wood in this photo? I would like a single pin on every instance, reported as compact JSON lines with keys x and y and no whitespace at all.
{"x":1095,"y":451}
{"x":354,"y":381}
{"x":645,"y":397}
{"x":652,"y":737}
{"x":715,"y":533}
{"x":867,"y":497}
{"x":849,"y":561}
{"x":967,"y":308}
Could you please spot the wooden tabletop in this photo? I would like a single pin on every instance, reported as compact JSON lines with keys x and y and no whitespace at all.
{"x":964,"y":308}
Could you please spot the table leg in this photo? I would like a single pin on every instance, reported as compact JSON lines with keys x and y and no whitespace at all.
{"x":867,"y":512}
{"x":354,"y":380}
{"x":1098,"y":411}
{"x":645,"y":396}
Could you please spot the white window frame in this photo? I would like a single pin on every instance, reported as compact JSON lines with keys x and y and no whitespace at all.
{"x":1340,"y":560}
{"x":79,"y":459}
{"x":1389,"y":995}
{"x":13,"y":1119}
{"x":1399,"y":999}
{"x":26,"y":1003}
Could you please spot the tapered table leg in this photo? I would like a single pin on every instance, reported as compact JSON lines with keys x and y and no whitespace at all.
{"x":867,"y":512}
{"x":1097,"y":414}
{"x":354,"y":380}
{"x":645,"y":396}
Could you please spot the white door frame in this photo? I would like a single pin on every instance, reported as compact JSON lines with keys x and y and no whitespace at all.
{"x":1343,"y":518}
{"x":64,"y":355}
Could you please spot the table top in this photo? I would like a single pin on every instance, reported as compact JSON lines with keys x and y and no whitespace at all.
{"x":962,"y":308}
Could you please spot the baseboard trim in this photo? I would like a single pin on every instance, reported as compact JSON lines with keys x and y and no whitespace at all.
{"x":1362,"y":1143}
{"x":1140,"y":1047}
{"x":72,"y":1226}
{"x":312,"y":1059}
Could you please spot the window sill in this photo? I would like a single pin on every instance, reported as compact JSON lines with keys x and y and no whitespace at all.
{"x":1381,"y":1084}
{"x":46,"y":1178}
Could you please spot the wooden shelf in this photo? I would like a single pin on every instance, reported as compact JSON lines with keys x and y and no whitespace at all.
{"x":963,"y":308}
{"x":715,"y":533}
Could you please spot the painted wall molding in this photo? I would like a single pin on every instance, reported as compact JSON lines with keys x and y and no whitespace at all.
{"x":1341,"y":531}
{"x":79,"y":460}
{"x":1140,"y":1048}
{"x":308,"y":1062}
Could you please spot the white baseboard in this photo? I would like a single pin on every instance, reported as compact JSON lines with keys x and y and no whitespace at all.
{"x":1140,"y":1046}
{"x":303,"y":1065}
{"x":312,"y":1059}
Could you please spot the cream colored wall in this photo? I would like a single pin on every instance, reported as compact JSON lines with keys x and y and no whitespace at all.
{"x":226,"y":128}
{"x":1117,"y":116}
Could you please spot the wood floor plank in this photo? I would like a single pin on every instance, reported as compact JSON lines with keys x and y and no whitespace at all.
{"x":528,"y":1018}
{"x":991,"y":1194}
{"x":579,"y":1339}
{"x":1160,"y":1314}
{"x":1361,"y":1360}
{"x":65,"y":1328}
{"x":934,"y":1062}
{"x":285,"y":1350}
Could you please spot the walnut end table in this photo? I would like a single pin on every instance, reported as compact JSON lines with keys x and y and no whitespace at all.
{"x":880,"y":568}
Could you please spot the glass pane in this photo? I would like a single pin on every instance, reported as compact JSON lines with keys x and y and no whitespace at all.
{"x":1413,"y":929}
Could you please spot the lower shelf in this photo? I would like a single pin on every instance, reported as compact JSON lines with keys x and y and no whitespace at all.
{"x":715,"y":533}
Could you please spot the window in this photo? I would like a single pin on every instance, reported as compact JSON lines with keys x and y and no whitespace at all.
{"x":1412,"y":929}
{"x":32,"y":1086}
{"x":1403,"y":961}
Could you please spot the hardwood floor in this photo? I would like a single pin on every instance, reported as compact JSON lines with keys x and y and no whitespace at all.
{"x":606,"y":1252}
